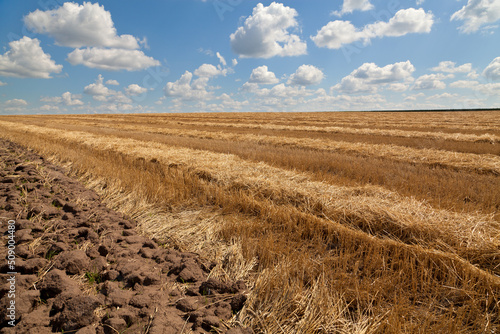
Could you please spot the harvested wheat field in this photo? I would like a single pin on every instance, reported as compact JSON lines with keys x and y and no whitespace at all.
{"x":376,"y":222}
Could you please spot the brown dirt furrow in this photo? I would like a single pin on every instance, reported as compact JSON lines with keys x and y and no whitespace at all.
{"x":82,"y":268}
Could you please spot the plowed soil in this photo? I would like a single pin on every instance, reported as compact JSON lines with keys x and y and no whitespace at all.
{"x":82,"y":268}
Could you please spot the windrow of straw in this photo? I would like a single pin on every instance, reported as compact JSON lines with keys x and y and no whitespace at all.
{"x":484,"y":163}
{"x":436,"y":135}
{"x":447,"y":122}
{"x":455,"y":190}
{"x":488,"y":138}
{"x":315,"y":273}
{"x":371,"y":209}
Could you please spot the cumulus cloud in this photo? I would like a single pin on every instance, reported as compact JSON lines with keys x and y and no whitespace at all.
{"x":187,"y":89}
{"x":265,"y":33}
{"x":351,"y":5}
{"x":397,"y":87}
{"x":117,"y":98}
{"x":111,"y":59}
{"x":134,"y":90}
{"x":221,"y":59}
{"x":369,"y":77}
{"x":100,"y":92}
{"x":90,"y":26}
{"x":75,"y":25}
{"x":404,"y":22}
{"x":71,"y":100}
{"x":113,"y":83}
{"x":225,"y":103}
{"x":66,"y":98}
{"x":261,"y":75}
{"x":492,"y":89}
{"x":450,"y":67}
{"x":492,"y":71}
{"x":48,"y":107}
{"x":476,"y":14}
{"x":209,"y":71}
{"x":338,"y":33}
{"x":250,"y":87}
{"x":97,"y":89}
{"x":431,"y":81}
{"x":443,"y":96}
{"x":306,"y":75}
{"x":284,"y":91}
{"x":465,"y":84}
{"x":16,"y":103}
{"x":414,"y":97}
{"x":26,"y":59}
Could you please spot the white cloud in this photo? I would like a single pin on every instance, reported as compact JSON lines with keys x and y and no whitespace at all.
{"x":473,"y":75}
{"x":449,"y":67}
{"x":397,"y":87}
{"x":90,"y":26}
{"x":351,"y":5}
{"x":100,"y":92}
{"x":209,"y":71}
{"x":261,"y":75}
{"x":16,"y":103}
{"x":134,"y":90}
{"x":66,"y":98}
{"x":48,"y":107}
{"x":112,"y":82}
{"x":476,"y":14}
{"x":221,"y":59}
{"x":186,"y":89}
{"x":431,"y":81}
{"x":492,"y":89}
{"x":117,"y":98}
{"x":249,"y":87}
{"x":160,"y":100}
{"x":75,"y":25}
{"x":349,"y":102}
{"x":443,"y":96}
{"x":492,"y":71}
{"x":265,"y":33}
{"x":465,"y":84}
{"x":71,"y":100}
{"x":369,"y":77}
{"x":54,"y":99}
{"x":3,"y":84}
{"x":118,"y":107}
{"x":284,"y":91}
{"x":414,"y":97}
{"x":404,"y":22}
{"x":234,"y":62}
{"x":97,"y":89}
{"x":306,"y":75}
{"x":226,"y":103}
{"x":337,"y":33}
{"x":111,"y":59}
{"x":26,"y":59}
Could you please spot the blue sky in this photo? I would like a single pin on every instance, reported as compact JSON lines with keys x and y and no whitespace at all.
{"x":235,"y":55}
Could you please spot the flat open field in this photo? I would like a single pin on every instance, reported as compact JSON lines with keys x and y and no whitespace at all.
{"x":337,"y":222}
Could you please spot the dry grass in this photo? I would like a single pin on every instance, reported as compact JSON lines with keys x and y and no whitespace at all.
{"x":488,"y":138}
{"x":319,"y":257}
{"x":442,"y":187}
{"x":461,"y":161}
